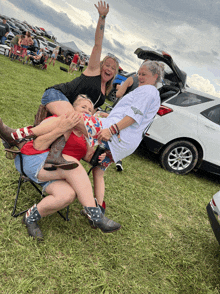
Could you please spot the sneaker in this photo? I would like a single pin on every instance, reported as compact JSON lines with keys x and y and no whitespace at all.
{"x":33,"y":229}
{"x":119,"y":166}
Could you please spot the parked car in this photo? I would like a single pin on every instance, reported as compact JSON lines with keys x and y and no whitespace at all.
{"x":213,"y":210}
{"x":186,"y":130}
{"x":43,"y":45}
{"x":119,"y":79}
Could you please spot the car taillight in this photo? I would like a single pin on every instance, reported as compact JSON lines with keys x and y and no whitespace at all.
{"x":164,"y":110}
{"x":213,"y":202}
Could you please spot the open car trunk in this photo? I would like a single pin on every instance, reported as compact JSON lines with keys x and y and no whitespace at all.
{"x":176,"y":77}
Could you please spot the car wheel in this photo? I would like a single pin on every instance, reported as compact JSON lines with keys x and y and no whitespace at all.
{"x":179,"y":157}
{"x":112,"y":95}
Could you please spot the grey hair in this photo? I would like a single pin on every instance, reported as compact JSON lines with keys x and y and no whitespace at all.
{"x":155,"y":68}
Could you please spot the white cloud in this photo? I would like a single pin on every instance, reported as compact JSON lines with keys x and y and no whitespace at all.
{"x":203,"y":85}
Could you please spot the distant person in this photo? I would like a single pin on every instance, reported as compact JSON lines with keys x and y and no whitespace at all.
{"x":16,"y":41}
{"x":37,"y":56}
{"x":74,"y":62}
{"x":4,"y":30}
{"x":34,"y":46}
{"x":81,"y":64}
{"x":25,"y":43}
{"x":54,"y":55}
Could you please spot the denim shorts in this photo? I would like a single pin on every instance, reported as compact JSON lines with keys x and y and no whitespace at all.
{"x":32,"y":164}
{"x":52,"y":95}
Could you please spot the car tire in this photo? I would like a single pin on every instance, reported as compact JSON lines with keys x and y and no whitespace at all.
{"x":112,"y":95}
{"x":179,"y":157}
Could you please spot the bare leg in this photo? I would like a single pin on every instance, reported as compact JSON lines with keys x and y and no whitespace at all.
{"x":60,"y":195}
{"x":99,"y":184}
{"x":76,"y":178}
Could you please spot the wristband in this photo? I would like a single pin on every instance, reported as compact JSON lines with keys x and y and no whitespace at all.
{"x":102,"y":16}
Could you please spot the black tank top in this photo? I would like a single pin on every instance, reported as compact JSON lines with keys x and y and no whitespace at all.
{"x":91,"y":86}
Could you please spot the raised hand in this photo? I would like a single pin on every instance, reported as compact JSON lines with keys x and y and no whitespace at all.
{"x":102,"y":8}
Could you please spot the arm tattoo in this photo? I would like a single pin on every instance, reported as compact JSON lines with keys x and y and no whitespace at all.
{"x":101,"y":27}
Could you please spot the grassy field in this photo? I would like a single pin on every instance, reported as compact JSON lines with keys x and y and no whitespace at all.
{"x":165,"y":245}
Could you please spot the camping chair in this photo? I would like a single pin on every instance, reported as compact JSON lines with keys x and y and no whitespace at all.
{"x":42,"y":113}
{"x":18,"y":51}
{"x":23,"y":178}
{"x":40,"y":62}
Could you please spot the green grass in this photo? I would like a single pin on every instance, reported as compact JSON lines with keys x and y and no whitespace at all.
{"x":165,"y":245}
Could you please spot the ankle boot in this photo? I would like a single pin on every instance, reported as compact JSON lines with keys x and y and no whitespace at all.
{"x":5,"y":134}
{"x":30,"y":220}
{"x":55,"y":158}
{"x":23,"y":134}
{"x":12,"y":137}
{"x":96,"y":215}
{"x":84,"y":213}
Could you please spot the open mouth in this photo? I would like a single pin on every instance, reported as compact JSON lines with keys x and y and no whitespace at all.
{"x":107,"y":74}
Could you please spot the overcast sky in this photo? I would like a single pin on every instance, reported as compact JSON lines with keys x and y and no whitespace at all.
{"x":189,"y":30}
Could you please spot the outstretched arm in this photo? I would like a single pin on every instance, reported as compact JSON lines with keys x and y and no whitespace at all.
{"x":94,"y":60}
{"x":123,"y":88}
{"x":105,"y":134}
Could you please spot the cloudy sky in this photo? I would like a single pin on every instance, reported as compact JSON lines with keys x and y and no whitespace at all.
{"x":189,"y":30}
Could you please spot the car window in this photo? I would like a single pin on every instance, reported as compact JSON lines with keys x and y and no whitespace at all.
{"x":52,"y":45}
{"x":188,"y":99}
{"x":213,"y":114}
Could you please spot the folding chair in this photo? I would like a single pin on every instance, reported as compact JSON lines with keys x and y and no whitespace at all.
{"x":23,"y":178}
{"x":18,"y":51}
{"x":41,"y":114}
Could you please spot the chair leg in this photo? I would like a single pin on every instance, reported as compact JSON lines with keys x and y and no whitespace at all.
{"x":20,"y":182}
{"x":16,"y":198}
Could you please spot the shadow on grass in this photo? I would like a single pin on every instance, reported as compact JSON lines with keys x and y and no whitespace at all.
{"x":142,"y":151}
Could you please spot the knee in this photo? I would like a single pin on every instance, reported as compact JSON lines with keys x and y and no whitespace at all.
{"x":69,"y":198}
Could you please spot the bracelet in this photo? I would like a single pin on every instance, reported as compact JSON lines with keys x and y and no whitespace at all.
{"x":117,"y":128}
{"x":102,"y":16}
{"x":114,"y":129}
{"x":110,"y":131}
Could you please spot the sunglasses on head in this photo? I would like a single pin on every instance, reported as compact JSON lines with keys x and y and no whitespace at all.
{"x":114,"y":57}
{"x":84,"y":96}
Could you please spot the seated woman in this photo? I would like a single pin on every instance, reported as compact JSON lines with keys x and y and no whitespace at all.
{"x":62,"y":185}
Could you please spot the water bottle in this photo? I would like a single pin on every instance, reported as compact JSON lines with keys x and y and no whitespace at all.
{"x":99,"y":150}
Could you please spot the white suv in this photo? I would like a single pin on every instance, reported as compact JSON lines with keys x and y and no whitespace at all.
{"x":186,"y":130}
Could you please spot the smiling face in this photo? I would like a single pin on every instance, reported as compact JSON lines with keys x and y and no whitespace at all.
{"x":145,"y":77}
{"x":108,"y":69}
{"x":82,"y":105}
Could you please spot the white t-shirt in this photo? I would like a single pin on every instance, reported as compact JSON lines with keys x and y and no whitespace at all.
{"x":142,"y":105}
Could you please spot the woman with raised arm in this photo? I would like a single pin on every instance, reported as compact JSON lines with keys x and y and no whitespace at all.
{"x":95,"y":81}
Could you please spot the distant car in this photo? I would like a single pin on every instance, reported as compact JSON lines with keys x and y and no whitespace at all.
{"x":213,"y":210}
{"x":43,"y":45}
{"x":186,"y":130}
{"x":41,"y":31}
